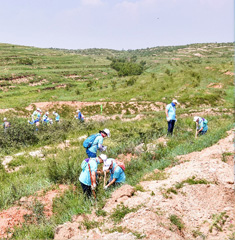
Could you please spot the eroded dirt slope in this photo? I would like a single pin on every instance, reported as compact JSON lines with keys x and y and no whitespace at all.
{"x":198,"y":191}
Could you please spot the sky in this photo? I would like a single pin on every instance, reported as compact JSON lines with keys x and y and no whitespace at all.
{"x":115,"y":24}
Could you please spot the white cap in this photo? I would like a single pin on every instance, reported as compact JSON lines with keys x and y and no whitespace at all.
{"x":53,"y":112}
{"x":4,"y":119}
{"x":195,"y":119}
{"x":107,"y":132}
{"x":175,"y":101}
{"x":47,"y":113}
{"x":107,"y":164}
{"x":103,"y":157}
{"x":78,"y":110}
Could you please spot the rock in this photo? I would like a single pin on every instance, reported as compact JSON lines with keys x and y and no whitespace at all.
{"x":19,"y":154}
{"x":125,"y":190}
{"x":139,"y":148}
{"x":37,"y":153}
{"x":7,"y":160}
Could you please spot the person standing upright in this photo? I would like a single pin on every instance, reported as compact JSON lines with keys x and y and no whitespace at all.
{"x":171,"y":116}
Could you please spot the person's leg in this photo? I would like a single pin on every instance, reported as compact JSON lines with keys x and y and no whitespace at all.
{"x":172,"y":126}
{"x":202,"y":132}
{"x":169,"y":128}
{"x":86,"y":189}
{"x":90,"y":154}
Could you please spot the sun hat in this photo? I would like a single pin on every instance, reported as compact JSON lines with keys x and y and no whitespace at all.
{"x":107,"y":164}
{"x":4,"y":119}
{"x":175,"y":101}
{"x":107,"y":132}
{"x":103,"y":157}
{"x":195,"y":119}
{"x":78,"y":110}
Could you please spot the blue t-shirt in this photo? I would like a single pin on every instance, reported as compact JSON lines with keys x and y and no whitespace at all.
{"x":80,"y":117}
{"x":45,"y":118}
{"x":57,"y":118}
{"x":171,"y":111}
{"x":118,"y":174}
{"x":202,"y":124}
{"x":98,"y":141}
{"x":85,"y":174}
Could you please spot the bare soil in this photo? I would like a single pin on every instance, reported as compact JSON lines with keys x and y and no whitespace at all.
{"x":15,"y":215}
{"x":196,"y":205}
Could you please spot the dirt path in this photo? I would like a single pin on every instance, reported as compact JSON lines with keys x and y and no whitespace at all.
{"x":206,"y":210}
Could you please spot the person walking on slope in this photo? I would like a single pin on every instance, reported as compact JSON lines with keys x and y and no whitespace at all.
{"x":117,"y":175}
{"x":201,"y":125}
{"x":57,"y":117}
{"x":171,"y":116}
{"x":96,"y":143}
{"x":5,"y":124}
{"x":36,"y":117}
{"x":45,"y":118}
{"x":79,"y":116}
{"x":87,"y":177}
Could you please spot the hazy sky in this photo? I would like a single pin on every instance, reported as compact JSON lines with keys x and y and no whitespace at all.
{"x":115,"y":24}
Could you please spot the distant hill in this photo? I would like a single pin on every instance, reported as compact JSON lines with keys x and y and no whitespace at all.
{"x":196,"y":74}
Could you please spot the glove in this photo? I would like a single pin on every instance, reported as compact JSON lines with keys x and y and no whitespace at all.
{"x":104,"y":148}
{"x":93,"y":187}
{"x":168,"y":119}
{"x":105,"y":187}
{"x":175,"y":120}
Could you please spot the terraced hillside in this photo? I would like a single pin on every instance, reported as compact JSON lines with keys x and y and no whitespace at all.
{"x":196,"y":74}
{"x":39,"y":170}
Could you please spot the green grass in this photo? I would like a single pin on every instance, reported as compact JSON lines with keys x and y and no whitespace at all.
{"x":177,"y":222}
{"x":164,"y":78}
{"x":186,"y":78}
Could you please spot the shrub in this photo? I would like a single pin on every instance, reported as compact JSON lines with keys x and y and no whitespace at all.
{"x":125,"y":68}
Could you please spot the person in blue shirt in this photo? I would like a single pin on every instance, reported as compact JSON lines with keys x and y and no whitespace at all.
{"x":85,"y":176}
{"x":79,"y":116}
{"x":201,"y":125}
{"x":45,"y":118}
{"x":57,"y":117}
{"x":98,"y":143}
{"x":36,"y":117}
{"x":5,"y":124}
{"x":171,"y":116}
{"x":117,"y":175}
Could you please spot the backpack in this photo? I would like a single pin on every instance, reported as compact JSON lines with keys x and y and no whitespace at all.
{"x":121,"y":165}
{"x":89,"y":141}
{"x":84,"y":163}
{"x":204,"y":122}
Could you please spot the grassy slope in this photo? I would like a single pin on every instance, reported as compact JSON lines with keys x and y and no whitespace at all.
{"x":186,"y":78}
{"x":170,"y":72}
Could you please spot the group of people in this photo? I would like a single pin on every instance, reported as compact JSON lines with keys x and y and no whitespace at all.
{"x":37,"y":114}
{"x":90,"y":173}
{"x":201,"y":123}
{"x":36,"y":117}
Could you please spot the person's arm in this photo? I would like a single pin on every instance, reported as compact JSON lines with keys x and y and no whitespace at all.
{"x":100,"y":143}
{"x":166,"y":111}
{"x":113,"y":181}
{"x":200,"y":129}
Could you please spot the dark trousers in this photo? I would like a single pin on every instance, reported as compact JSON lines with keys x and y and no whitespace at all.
{"x":171,"y":125}
{"x":90,"y":154}
{"x":86,"y":189}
